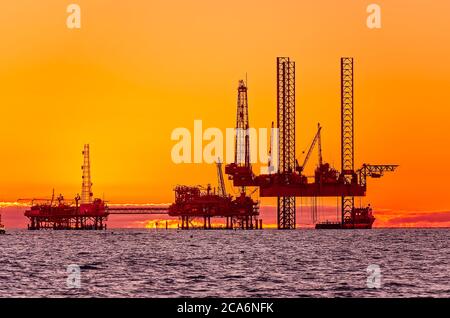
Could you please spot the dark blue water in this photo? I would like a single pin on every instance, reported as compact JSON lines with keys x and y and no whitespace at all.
{"x":267,"y":263}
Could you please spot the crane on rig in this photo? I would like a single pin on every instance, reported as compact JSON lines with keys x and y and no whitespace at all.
{"x":316,"y":140}
{"x":221,"y":191}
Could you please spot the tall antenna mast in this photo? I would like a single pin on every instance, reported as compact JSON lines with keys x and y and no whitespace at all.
{"x":86,"y":188}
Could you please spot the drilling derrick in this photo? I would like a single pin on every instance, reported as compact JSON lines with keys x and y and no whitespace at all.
{"x":286,"y":134}
{"x":242,"y":145}
{"x":240,"y":170}
{"x":86,"y":187}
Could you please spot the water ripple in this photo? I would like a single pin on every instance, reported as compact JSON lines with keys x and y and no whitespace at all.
{"x":168,"y":263}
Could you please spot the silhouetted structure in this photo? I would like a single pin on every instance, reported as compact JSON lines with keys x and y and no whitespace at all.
{"x":289,"y":182}
{"x":58,"y":214}
{"x":286,"y":130}
{"x":203,"y":203}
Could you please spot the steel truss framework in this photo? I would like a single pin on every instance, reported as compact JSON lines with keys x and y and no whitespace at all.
{"x":347,"y":136}
{"x":242,"y":145}
{"x":286,"y":130}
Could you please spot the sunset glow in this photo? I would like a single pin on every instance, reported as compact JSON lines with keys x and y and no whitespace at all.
{"x":137,"y":70}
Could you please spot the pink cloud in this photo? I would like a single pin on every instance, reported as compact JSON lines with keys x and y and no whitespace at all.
{"x":389,"y":218}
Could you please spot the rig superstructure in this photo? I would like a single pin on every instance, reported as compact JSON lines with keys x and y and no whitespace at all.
{"x":289,"y":182}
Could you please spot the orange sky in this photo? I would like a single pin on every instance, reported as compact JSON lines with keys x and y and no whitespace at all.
{"x":138,"y":69}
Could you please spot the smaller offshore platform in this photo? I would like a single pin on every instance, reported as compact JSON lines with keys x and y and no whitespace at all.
{"x":83,"y":213}
{"x":204,"y":203}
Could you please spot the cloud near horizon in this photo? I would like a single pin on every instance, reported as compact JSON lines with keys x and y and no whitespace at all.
{"x":391,"y":218}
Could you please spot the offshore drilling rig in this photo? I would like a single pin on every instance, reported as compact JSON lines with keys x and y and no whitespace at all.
{"x":289,"y":181}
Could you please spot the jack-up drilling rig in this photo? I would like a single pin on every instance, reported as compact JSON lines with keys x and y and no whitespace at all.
{"x":289,"y":182}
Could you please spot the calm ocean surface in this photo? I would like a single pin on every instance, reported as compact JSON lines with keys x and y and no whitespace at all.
{"x":267,"y":263}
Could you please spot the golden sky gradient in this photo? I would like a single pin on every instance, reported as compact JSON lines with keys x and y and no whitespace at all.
{"x":138,"y":69}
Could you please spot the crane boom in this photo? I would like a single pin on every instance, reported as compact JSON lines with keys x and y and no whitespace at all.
{"x":373,"y":171}
{"x":317,"y":139}
{"x":221,"y":189}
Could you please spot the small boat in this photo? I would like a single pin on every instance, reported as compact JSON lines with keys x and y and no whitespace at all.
{"x":361,"y":218}
{"x":2,"y":227}
{"x":328,"y":225}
